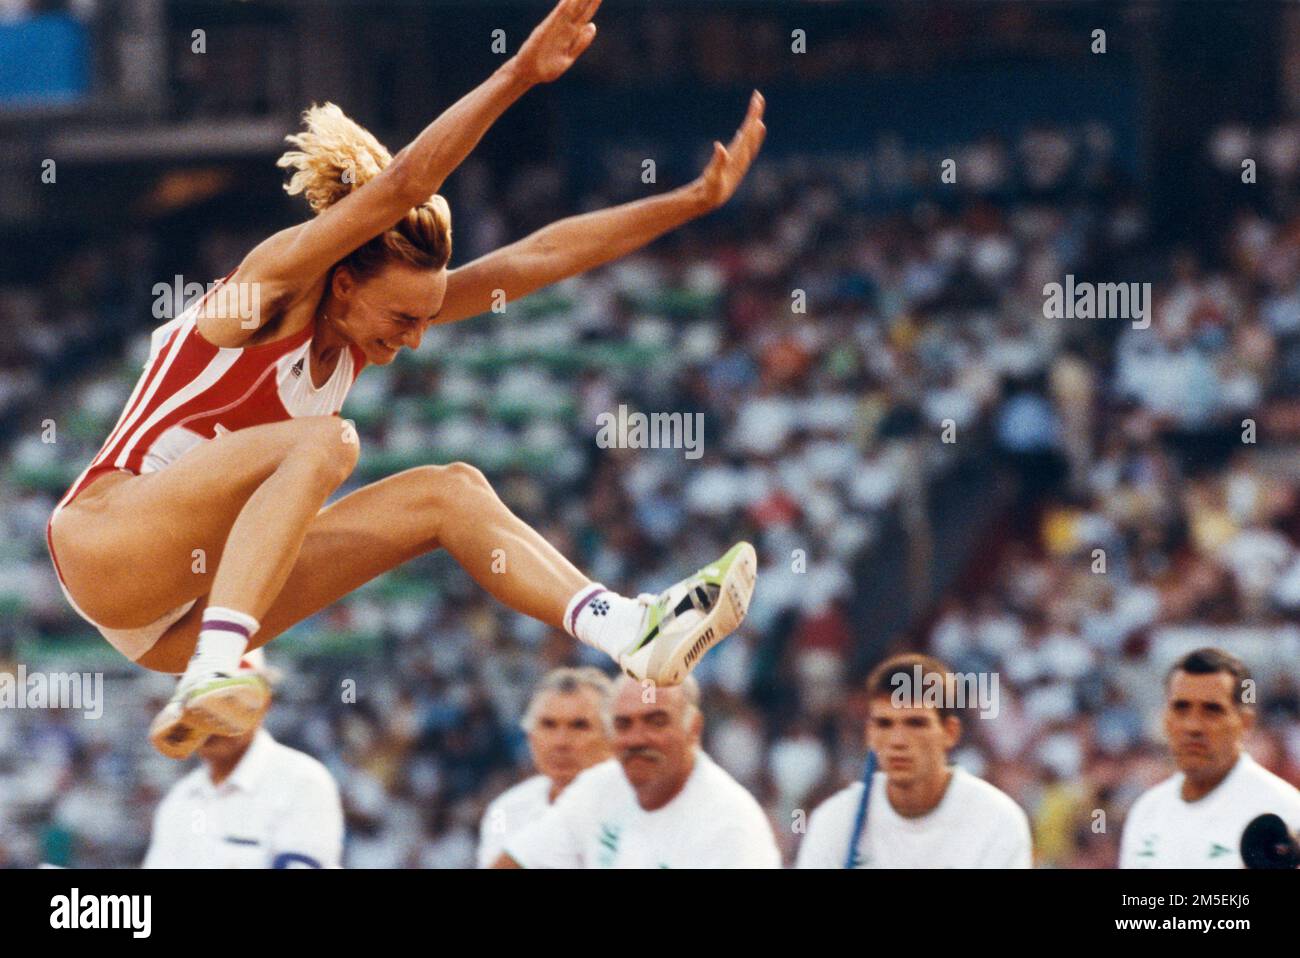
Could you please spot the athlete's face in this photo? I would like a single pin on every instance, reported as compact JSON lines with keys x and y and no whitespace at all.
{"x":911,"y":742}
{"x":1204,"y":723}
{"x":567,"y":734}
{"x":384,"y":312}
{"x":656,"y":732}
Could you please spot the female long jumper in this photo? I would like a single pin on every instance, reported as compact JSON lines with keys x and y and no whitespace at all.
{"x":231,"y":441}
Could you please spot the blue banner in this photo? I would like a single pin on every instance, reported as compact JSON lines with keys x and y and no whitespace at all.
{"x":43,"y":59}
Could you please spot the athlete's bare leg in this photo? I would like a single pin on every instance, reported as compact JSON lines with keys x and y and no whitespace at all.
{"x":226,"y":519}
{"x":129,"y":552}
{"x":383,"y":525}
{"x":265,"y":539}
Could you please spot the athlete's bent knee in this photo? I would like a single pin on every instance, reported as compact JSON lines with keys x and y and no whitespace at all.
{"x":463,"y":477}
{"x":455,"y":487}
{"x":330,"y":445}
{"x":459,"y":480}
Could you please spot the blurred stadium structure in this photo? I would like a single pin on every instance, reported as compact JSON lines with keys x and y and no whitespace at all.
{"x":924,"y":303}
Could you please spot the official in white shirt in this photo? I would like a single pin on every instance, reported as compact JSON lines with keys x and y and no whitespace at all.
{"x":1195,"y":819}
{"x":661,"y":803}
{"x":253,"y":803}
{"x":566,"y":734}
{"x":922,"y":812}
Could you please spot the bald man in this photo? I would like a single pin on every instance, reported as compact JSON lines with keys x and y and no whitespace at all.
{"x":659,"y":803}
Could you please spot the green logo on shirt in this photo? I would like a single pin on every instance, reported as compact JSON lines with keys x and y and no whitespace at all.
{"x":608,"y":840}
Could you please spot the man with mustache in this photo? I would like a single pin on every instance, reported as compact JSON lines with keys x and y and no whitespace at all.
{"x":1195,"y":818}
{"x":660,"y":803}
{"x":922,"y":812}
{"x":566,"y":734}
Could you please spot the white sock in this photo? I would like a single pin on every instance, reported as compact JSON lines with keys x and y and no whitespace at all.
{"x":223,"y":637}
{"x":603,"y":619}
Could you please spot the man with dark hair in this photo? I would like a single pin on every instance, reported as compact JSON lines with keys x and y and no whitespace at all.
{"x":922,"y":812}
{"x":1195,"y":818}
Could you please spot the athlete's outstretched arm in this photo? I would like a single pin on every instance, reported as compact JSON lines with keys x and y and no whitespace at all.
{"x":579,"y":243}
{"x":549,"y":51}
{"x":294,"y":258}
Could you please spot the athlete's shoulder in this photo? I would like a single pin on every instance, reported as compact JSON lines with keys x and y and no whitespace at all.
{"x":161,"y":335}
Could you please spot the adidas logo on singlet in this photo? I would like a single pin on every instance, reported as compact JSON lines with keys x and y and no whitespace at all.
{"x":296,"y":369}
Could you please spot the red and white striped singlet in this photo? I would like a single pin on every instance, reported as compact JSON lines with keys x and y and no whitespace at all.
{"x":191,"y":390}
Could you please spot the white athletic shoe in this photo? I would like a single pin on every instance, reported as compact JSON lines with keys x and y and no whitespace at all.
{"x":213,"y":703}
{"x":691,"y":617}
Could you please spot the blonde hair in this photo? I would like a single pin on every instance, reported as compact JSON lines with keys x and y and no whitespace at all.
{"x":336,"y":155}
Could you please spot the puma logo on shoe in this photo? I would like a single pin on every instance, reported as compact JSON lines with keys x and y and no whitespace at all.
{"x":700,"y":645}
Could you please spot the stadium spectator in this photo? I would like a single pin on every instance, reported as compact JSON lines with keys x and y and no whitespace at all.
{"x":253,"y":803}
{"x":661,"y":803}
{"x":922,"y":812}
{"x":1195,"y":819}
{"x":566,"y":735}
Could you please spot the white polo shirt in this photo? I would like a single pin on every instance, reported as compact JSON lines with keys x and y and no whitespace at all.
{"x":975,"y":825}
{"x":509,"y":813}
{"x":597,"y":823}
{"x":279,"y":808}
{"x":1165,"y":831}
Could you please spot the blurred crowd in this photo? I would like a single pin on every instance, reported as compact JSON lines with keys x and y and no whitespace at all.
{"x":845,"y":358}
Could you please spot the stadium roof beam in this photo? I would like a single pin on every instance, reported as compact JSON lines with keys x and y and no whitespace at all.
{"x":199,"y":140}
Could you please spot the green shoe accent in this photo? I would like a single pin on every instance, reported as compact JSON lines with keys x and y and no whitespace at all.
{"x":207,"y":687}
{"x":712,"y":574}
{"x":656,"y":617}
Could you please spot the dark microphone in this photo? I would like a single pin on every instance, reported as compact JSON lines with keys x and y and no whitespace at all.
{"x":1266,"y":843}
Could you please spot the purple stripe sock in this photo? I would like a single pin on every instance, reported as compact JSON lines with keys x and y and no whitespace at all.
{"x":218,"y":625}
{"x":218,"y":619}
{"x":582,"y":604}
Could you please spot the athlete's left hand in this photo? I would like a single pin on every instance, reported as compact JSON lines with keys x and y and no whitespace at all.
{"x":730,"y":163}
{"x":557,"y":41}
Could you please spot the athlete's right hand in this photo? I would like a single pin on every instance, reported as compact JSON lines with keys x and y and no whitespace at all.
{"x":730,"y":163}
{"x":557,"y":41}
